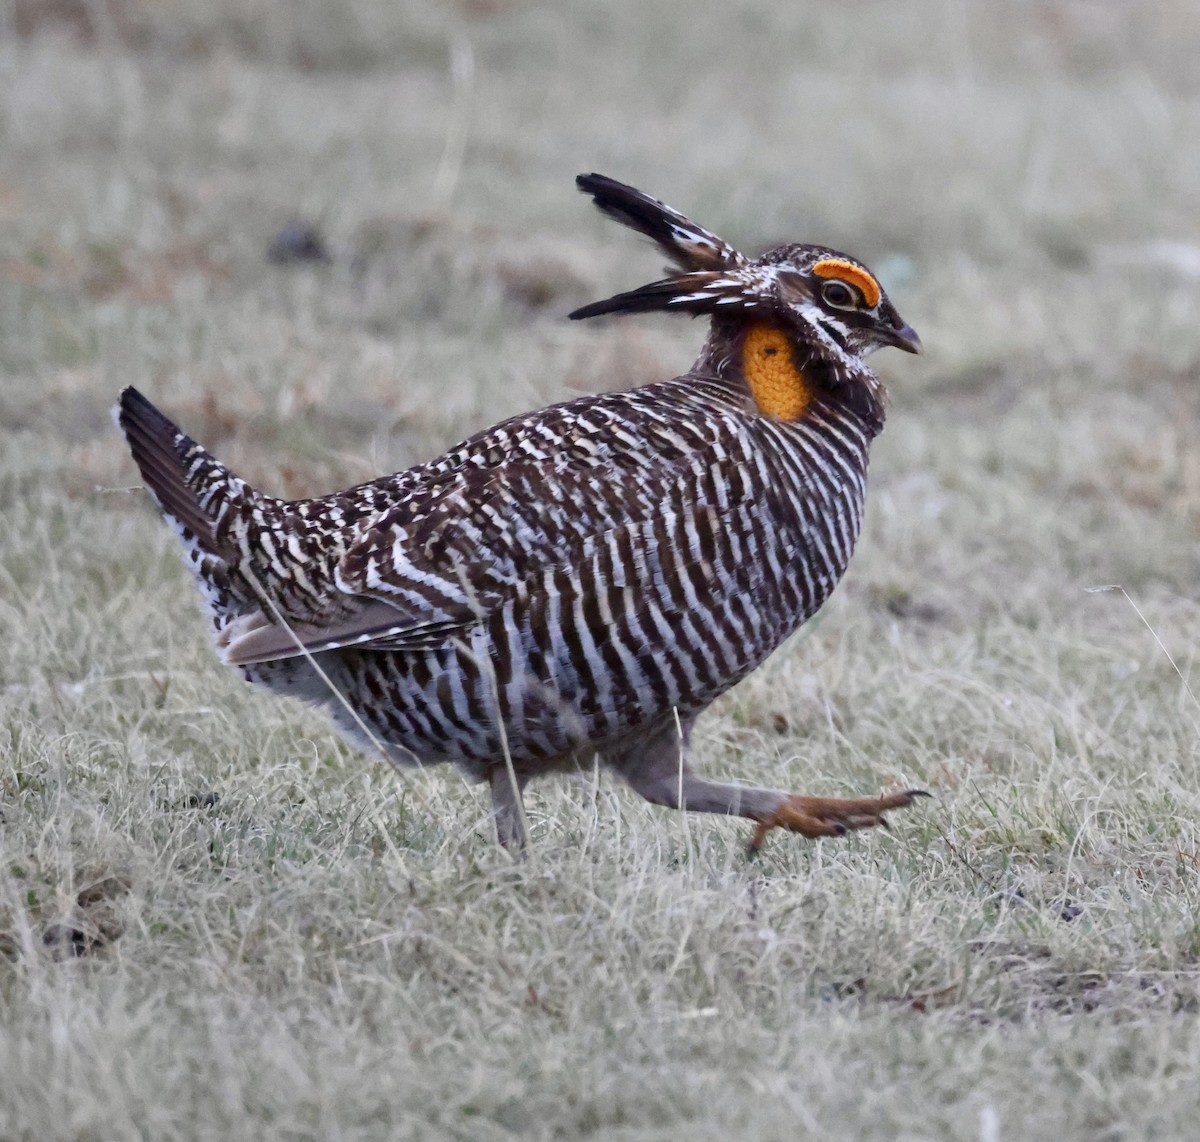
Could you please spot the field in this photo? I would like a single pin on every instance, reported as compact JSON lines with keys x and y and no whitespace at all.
{"x":217,"y":921}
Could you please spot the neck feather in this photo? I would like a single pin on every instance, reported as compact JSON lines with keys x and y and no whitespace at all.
{"x":784,"y":376}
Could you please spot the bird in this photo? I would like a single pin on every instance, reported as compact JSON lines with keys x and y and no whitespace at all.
{"x":584,"y":580}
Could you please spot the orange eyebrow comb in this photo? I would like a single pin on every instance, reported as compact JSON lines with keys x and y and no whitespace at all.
{"x":855,"y":275}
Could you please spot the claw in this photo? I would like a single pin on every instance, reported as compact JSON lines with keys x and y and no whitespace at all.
{"x":831,"y":816}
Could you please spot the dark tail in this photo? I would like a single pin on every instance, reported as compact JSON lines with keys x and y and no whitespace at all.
{"x":209,"y":507}
{"x":703,"y":258}
{"x":165,"y":456}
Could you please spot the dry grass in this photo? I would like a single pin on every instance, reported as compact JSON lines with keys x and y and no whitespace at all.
{"x":216,"y":922}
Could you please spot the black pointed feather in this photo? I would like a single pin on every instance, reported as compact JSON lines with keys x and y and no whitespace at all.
{"x":159,"y":448}
{"x":669,"y":294}
{"x":689,"y":246}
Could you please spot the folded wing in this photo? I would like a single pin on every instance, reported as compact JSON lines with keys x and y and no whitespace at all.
{"x":427,"y":571}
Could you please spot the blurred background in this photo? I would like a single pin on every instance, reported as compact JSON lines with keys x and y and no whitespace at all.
{"x":331,"y":238}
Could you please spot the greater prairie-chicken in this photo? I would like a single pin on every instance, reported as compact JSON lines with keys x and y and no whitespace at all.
{"x":581,"y":580}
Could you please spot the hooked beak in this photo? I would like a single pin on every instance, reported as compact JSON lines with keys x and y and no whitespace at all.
{"x":904,"y":337}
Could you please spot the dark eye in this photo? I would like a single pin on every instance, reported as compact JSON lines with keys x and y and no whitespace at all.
{"x":839,"y":295}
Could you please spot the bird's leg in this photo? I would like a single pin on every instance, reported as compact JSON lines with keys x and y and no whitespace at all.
{"x":508,"y":807}
{"x":656,"y":766}
{"x":828,"y":816}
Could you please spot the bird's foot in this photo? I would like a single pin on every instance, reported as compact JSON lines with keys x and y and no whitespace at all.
{"x":831,"y":816}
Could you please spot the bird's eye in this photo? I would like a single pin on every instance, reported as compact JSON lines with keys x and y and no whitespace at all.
{"x":839,"y":295}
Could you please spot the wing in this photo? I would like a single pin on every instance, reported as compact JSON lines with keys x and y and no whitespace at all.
{"x":441,"y":561}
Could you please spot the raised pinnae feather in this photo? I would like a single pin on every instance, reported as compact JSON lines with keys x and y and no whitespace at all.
{"x":711,"y":273}
{"x":696,"y":293}
{"x":689,"y":246}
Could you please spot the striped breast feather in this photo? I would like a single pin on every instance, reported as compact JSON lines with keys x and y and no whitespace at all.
{"x":667,"y":566}
{"x":451,"y":554}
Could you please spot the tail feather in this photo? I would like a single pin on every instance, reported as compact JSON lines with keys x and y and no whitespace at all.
{"x":163,"y":453}
{"x":206,"y":504}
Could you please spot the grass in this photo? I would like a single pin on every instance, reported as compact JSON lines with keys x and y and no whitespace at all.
{"x":216,"y":921}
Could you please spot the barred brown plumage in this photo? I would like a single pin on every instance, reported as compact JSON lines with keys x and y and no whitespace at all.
{"x":582,"y":579}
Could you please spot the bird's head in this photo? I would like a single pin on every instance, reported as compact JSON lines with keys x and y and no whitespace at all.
{"x":802,"y":317}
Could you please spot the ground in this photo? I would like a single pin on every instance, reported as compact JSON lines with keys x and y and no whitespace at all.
{"x":216,"y":921}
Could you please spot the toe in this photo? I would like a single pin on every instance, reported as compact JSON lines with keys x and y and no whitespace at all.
{"x":863,"y":821}
{"x":831,"y":817}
